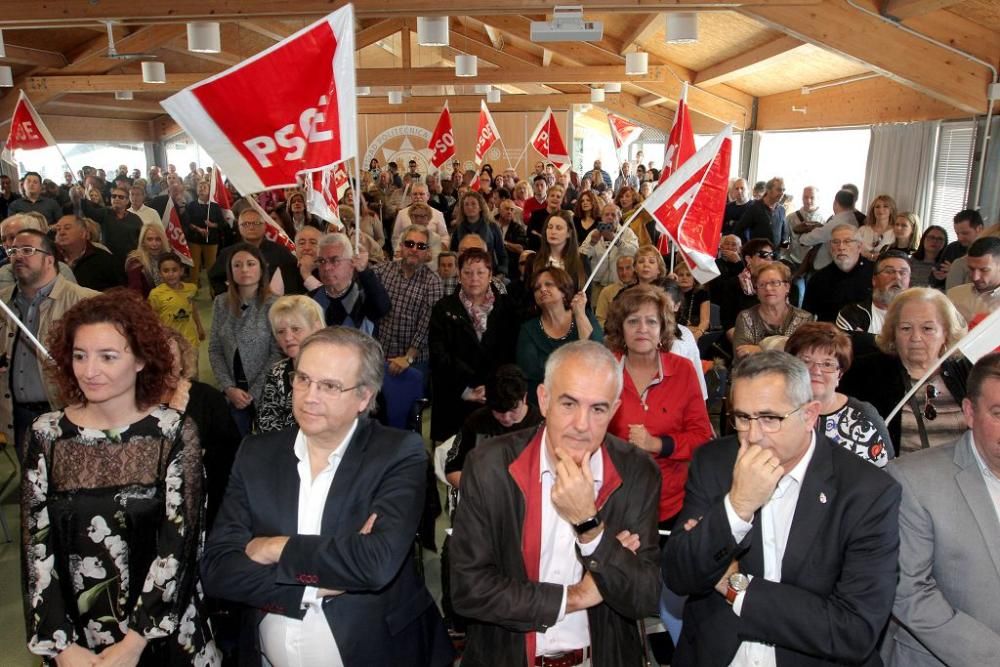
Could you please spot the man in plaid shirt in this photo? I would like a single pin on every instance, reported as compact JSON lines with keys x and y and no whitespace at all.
{"x":413,"y":289}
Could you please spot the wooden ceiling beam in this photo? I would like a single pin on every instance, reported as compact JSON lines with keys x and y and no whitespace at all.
{"x":273,"y":30}
{"x":377,"y":32}
{"x":222,"y":58}
{"x":903,"y":57}
{"x":470,"y":103}
{"x":101,"y":103}
{"x":23,"y":55}
{"x":644,"y":29}
{"x":445,"y":76}
{"x":49,"y":86}
{"x":746,"y":62}
{"x":75,"y":12}
{"x":907,"y":9}
{"x":93,"y":58}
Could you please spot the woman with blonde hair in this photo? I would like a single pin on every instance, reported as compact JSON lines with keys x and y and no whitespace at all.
{"x":877,"y":232}
{"x":141,"y":267}
{"x":920,"y":326}
{"x":628,"y":200}
{"x":906,"y":231}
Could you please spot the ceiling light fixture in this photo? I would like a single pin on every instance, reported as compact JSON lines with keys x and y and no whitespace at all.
{"x":482,"y":88}
{"x":124,"y":95}
{"x":432,"y":30}
{"x":6,"y":77}
{"x":596,"y":95}
{"x":204,"y":37}
{"x":493,"y":96}
{"x":682,"y":27}
{"x":636,"y":63}
{"x":361,"y":91}
{"x":3,"y":48}
{"x":466,"y":65}
{"x":154,"y":72}
{"x":613,"y":87}
{"x":395,"y":97}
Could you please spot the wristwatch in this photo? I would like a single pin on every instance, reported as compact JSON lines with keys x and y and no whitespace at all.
{"x":410,"y":361}
{"x":737,"y":583}
{"x":586,"y":525}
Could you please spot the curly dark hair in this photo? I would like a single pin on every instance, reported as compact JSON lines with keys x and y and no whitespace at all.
{"x":129,"y":313}
{"x":628,"y":302}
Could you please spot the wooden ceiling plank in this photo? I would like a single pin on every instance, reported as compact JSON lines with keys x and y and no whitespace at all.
{"x":470,"y":103}
{"x":142,"y":40}
{"x":903,"y":57}
{"x":907,"y":9}
{"x":271,"y":29}
{"x":758,"y":58}
{"x":45,"y":87}
{"x":23,"y":55}
{"x":105,"y":104}
{"x":445,"y":76}
{"x":646,"y":26}
{"x":222,"y":58}
{"x":377,"y":32}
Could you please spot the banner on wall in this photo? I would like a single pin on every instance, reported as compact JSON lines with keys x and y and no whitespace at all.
{"x":442,"y":142}
{"x":547,"y":140}
{"x":307,"y":122}
{"x":688,"y":207}
{"x":487,"y":135}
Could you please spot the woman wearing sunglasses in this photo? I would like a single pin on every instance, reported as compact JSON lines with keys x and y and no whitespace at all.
{"x":920,"y":326}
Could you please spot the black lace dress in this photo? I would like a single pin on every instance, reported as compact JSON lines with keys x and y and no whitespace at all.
{"x":113,"y":534}
{"x":275,"y":410}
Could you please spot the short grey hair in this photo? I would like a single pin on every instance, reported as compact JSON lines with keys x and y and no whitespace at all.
{"x":372,"y":364}
{"x":855,"y":232}
{"x":798,"y":387}
{"x":592,"y":353}
{"x":420,"y":229}
{"x":337,"y":238}
{"x":27,"y":221}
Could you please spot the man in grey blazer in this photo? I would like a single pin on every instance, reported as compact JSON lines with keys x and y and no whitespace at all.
{"x":947,"y":608}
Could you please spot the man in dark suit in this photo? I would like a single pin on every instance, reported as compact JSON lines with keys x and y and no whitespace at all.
{"x":317,"y":526}
{"x":554,"y":555}
{"x":789,"y":543}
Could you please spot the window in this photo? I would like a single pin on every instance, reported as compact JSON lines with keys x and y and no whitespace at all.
{"x":49,"y":163}
{"x":952,"y":171}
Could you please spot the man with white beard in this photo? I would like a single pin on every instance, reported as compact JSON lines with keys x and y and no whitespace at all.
{"x":864,"y":319}
{"x":847,"y":280}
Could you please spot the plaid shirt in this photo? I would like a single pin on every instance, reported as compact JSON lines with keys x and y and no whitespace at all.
{"x":407,"y":323}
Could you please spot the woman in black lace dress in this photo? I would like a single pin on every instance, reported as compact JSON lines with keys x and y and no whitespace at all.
{"x":113,"y":500}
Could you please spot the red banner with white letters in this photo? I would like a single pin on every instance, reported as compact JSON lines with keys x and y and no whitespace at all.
{"x":549,"y":142}
{"x":680,"y":143}
{"x":26,"y":127}
{"x":487,"y":135}
{"x":623,"y":131}
{"x":289,"y":109}
{"x":442,"y":142}
{"x":175,"y":232}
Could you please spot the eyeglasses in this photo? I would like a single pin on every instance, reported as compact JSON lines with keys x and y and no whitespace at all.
{"x":415,"y":244}
{"x":825,"y":366}
{"x":25,"y":251}
{"x":323,"y":261}
{"x":765,"y":254}
{"x":771,"y":283}
{"x":251,"y":223}
{"x":930,"y":393}
{"x":327,"y":388}
{"x":768,"y":423}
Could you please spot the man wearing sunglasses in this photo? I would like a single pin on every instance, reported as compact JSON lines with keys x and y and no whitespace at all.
{"x":39,"y":297}
{"x":413,"y":290}
{"x":119,"y":226}
{"x":789,"y":545}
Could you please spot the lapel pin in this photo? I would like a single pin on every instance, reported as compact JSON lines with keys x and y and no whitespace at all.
{"x":822,"y":497}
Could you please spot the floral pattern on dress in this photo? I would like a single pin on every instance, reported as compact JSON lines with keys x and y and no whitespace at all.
{"x":859,"y":429}
{"x":275,"y":410}
{"x":106,"y":509}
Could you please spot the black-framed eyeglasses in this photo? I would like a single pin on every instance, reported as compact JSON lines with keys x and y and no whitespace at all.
{"x":411,"y":244}
{"x":930,"y":393}
{"x":25,"y":251}
{"x":768,"y":423}
{"x":327,"y":388}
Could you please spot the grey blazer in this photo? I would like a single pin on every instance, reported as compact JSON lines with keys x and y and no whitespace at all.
{"x":250,"y":333}
{"x":947,"y":608}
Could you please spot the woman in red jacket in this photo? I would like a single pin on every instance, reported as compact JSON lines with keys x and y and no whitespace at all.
{"x":661,"y":408}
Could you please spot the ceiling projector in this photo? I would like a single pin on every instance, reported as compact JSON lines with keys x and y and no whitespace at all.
{"x":567,"y":25}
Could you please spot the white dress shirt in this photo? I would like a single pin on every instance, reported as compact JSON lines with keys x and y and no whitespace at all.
{"x":436,"y":225}
{"x":776,"y":518}
{"x":147,"y":214}
{"x":559,"y":564}
{"x":878,"y":319}
{"x":290,"y":642}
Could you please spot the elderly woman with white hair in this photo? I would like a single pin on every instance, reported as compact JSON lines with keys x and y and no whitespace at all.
{"x":293,"y":319}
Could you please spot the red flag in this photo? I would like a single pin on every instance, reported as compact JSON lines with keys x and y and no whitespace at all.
{"x":272,"y":230}
{"x":26,"y":127}
{"x":321,"y":199}
{"x":548,"y":141}
{"x":623,"y":131}
{"x":219,"y":196}
{"x":487,"y":135}
{"x":175,"y":232}
{"x":341,"y":182}
{"x":442,"y":141}
{"x":688,"y":207}
{"x":306,"y":120}
{"x":680,"y":143}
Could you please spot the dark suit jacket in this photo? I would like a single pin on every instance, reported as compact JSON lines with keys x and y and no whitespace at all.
{"x":489,"y":580}
{"x":838,"y":575}
{"x":386,"y":616}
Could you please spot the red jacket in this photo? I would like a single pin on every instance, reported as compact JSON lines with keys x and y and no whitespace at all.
{"x":674,"y":408}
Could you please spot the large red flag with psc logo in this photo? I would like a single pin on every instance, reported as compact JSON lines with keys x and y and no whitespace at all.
{"x":442,"y":142}
{"x":175,"y":232}
{"x":688,"y":206}
{"x":287,"y":110}
{"x":487,"y":135}
{"x":680,"y":143}
{"x":549,"y":142}
{"x":26,"y":128}
{"x":623,"y":131}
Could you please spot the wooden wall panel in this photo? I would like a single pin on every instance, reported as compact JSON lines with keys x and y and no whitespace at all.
{"x":82,"y":129}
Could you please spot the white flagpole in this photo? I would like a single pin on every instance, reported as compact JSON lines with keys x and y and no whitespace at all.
{"x":600,"y":262}
{"x":24,"y":329}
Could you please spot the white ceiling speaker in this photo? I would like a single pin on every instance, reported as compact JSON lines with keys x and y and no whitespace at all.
{"x":682,"y":27}
{"x":3,"y":49}
{"x":466,"y":65}
{"x":482,"y":88}
{"x":6,"y":77}
{"x":612,"y":87}
{"x":124,"y":95}
{"x":363,"y":90}
{"x":204,"y":37}
{"x":493,"y":96}
{"x":432,"y":30}
{"x":596,"y":95}
{"x":637,"y":63}
{"x":395,"y":97}
{"x":154,"y":72}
